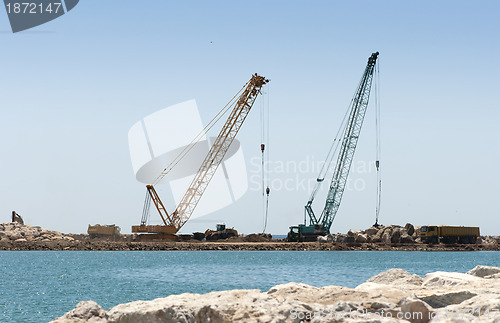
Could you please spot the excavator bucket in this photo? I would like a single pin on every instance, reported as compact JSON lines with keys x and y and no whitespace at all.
{"x":17,"y":218}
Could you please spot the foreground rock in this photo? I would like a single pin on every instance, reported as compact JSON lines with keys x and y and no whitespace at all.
{"x":392,"y":296}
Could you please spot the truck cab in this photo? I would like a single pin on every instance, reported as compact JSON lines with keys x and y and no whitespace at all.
{"x":429,"y":234}
{"x":294,"y":234}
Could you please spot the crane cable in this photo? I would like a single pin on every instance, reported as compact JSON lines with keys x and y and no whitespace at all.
{"x":185,"y":151}
{"x":145,"y":210}
{"x":264,"y":139}
{"x":331,"y":153}
{"x":377,"y":139}
{"x":203,"y":132}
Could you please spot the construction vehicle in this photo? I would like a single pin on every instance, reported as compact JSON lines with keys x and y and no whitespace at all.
{"x":17,"y":218}
{"x":221,"y":233}
{"x":304,"y":232}
{"x":172,"y":222}
{"x":199,"y":236}
{"x":448,"y":234}
{"x":98,"y":230}
{"x":348,"y":141}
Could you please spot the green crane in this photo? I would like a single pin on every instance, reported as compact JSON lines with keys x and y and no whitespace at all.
{"x":349,"y":139}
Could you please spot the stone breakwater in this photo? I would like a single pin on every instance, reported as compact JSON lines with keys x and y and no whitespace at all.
{"x":13,"y":232}
{"x":15,"y":236}
{"x":391,"y":296}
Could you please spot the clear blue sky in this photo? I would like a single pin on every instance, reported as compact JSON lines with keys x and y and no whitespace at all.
{"x":73,"y":87}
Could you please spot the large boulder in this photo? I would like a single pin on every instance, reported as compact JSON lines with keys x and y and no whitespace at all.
{"x":405,"y":238}
{"x":86,"y":311}
{"x":15,"y":235}
{"x":409,"y":228}
{"x":372,"y":292}
{"x":353,"y":233}
{"x":386,"y":237}
{"x":482,"y":308}
{"x":445,"y":299}
{"x":484,"y":271}
{"x":371,"y":231}
{"x":307,"y":294}
{"x":325,"y":239}
{"x":396,"y":276}
{"x":441,"y":279}
{"x":361,"y":238}
{"x":415,"y":310}
{"x":417,"y":231}
{"x":350,"y":239}
{"x":341,"y":238}
{"x":490,"y":240}
{"x":396,"y":235}
{"x":378,"y":236}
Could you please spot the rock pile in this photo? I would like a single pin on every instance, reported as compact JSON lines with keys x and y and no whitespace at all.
{"x":489,"y":240}
{"x":391,"y":234}
{"x":392,"y":296}
{"x":15,"y":232}
{"x":381,"y":234}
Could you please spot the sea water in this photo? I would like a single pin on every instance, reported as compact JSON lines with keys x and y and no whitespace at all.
{"x":37,"y":286}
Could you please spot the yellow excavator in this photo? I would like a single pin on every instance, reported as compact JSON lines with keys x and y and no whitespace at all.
{"x":172,"y":222}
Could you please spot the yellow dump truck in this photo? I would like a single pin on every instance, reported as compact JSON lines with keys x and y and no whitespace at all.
{"x":103,"y":230}
{"x":448,"y":234}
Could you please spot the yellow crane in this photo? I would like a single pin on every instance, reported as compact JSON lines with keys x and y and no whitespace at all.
{"x":174,"y":221}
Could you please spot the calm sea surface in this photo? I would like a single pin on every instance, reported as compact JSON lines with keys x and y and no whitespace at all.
{"x":37,"y":286}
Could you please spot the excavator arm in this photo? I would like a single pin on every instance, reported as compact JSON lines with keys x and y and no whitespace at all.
{"x":17,"y":218}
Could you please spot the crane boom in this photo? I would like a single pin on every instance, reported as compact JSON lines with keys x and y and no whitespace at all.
{"x":173,"y":222}
{"x":349,"y":142}
{"x":218,"y":150}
